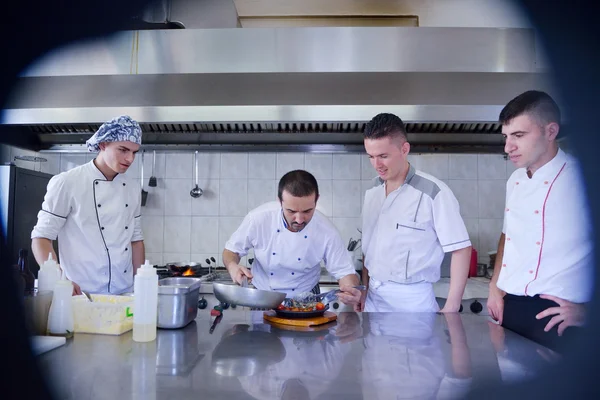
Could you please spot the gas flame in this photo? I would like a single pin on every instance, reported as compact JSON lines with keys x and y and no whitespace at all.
{"x":188,"y":272}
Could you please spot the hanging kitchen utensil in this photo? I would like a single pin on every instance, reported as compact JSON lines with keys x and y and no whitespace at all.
{"x":152,"y":181}
{"x":196,"y":191}
{"x":144,"y":193}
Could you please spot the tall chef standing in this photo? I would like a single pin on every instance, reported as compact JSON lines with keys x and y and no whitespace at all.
{"x":94,"y":211}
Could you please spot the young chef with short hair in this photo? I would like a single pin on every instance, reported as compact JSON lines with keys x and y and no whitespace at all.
{"x":410,"y":219}
{"x":543,"y":271}
{"x":290,"y":238}
{"x":94,"y":211}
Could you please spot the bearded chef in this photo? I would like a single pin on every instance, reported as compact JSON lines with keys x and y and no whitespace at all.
{"x":94,"y":211}
{"x":290,"y":238}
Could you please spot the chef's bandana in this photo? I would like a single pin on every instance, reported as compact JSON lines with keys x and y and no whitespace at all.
{"x":119,"y":129}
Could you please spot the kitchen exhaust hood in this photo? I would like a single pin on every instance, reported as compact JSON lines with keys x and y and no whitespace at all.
{"x":311,"y":89}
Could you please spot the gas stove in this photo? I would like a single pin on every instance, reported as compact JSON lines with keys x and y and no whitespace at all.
{"x":163,"y":271}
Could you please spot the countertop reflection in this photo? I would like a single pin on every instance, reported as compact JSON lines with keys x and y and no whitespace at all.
{"x":369,"y":355}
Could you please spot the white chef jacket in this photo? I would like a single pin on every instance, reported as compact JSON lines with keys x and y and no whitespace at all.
{"x":286,"y":261}
{"x":95,"y":221}
{"x":415,"y":364}
{"x":405,"y":236}
{"x":547,"y":247}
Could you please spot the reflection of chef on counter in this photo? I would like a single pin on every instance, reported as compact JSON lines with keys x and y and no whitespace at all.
{"x":403,"y":356}
{"x":293,"y":365}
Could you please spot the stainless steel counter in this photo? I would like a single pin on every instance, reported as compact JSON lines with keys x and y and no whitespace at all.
{"x":374,"y":356}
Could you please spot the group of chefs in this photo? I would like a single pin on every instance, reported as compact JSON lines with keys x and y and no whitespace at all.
{"x":543,"y":273}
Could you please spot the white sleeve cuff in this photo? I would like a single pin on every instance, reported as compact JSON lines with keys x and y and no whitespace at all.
{"x":137,"y":229}
{"x":461,"y":244}
{"x":48,"y":225}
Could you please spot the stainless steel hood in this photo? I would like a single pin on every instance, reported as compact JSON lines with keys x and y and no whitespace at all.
{"x":280,"y":89}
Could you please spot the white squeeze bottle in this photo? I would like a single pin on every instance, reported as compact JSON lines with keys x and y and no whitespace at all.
{"x":48,"y":274}
{"x":145,"y":303}
{"x":60,"y":317}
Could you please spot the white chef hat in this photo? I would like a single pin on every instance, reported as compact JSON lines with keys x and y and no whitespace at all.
{"x":120,"y":129}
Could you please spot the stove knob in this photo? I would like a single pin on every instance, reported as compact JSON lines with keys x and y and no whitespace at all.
{"x":336,"y":306}
{"x":460,"y":309}
{"x":233,"y":306}
{"x":476,"y":307}
{"x":225,"y":306}
{"x":202,"y":303}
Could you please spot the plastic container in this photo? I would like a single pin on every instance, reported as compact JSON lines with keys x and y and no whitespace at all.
{"x":48,"y":274}
{"x":145,"y":303}
{"x":106,"y":314}
{"x":60,"y":317}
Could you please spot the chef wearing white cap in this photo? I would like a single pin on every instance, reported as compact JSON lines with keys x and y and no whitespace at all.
{"x":94,"y":211}
{"x":290,"y":238}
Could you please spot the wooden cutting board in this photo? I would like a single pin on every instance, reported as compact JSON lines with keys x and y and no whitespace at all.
{"x":271,"y":316}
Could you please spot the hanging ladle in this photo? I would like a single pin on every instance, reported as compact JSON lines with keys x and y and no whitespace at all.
{"x":196,"y":191}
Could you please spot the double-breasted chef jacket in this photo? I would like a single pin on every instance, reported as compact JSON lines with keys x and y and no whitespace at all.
{"x":286,"y":261}
{"x":95,"y":221}
{"x":547,"y":245}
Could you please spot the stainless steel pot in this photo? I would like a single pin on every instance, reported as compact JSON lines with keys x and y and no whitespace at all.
{"x":177,"y":301}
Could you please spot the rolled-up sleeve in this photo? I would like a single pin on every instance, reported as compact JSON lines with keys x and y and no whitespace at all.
{"x":55,"y":210}
{"x":449,"y":225}
{"x":337,"y":259}
{"x":242,"y":240}
{"x":138,"y":234}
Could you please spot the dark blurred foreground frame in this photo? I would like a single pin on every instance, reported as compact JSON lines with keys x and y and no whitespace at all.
{"x":571,"y":33}
{"x":29,"y":29}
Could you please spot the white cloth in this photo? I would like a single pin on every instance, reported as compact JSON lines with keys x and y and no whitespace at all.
{"x":400,"y":297}
{"x":95,"y":221}
{"x":288,"y":261}
{"x":405,"y":236}
{"x":415,"y":366}
{"x":548,"y":247}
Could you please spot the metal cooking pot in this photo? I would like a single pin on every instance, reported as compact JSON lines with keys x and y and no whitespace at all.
{"x":231,"y":293}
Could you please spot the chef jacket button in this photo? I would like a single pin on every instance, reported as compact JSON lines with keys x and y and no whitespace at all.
{"x":271,"y":273}
{"x":531,"y":271}
{"x":123,"y":184}
{"x":545,"y":182}
{"x":126,"y":227}
{"x":96,"y":182}
{"x":126,"y":205}
{"x":273,"y":253}
{"x":99,"y":205}
{"x":538,"y":243}
{"x":305,"y":236}
{"x":277,"y":230}
{"x":126,"y":248}
{"x":536,"y":212}
{"x":508,"y":239}
{"x":504,"y":265}
{"x":516,"y":183}
{"x":507,"y":209}
{"x":292,"y":273}
{"x":102,"y":228}
{"x":293,"y":290}
{"x":298,"y":258}
{"x":125,"y":271}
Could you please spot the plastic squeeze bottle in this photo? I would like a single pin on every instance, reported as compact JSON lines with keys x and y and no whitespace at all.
{"x":145,"y":303}
{"x":60,"y":317}
{"x":48,"y":274}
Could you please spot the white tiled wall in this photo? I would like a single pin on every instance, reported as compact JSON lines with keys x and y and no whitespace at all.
{"x":178,"y":227}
